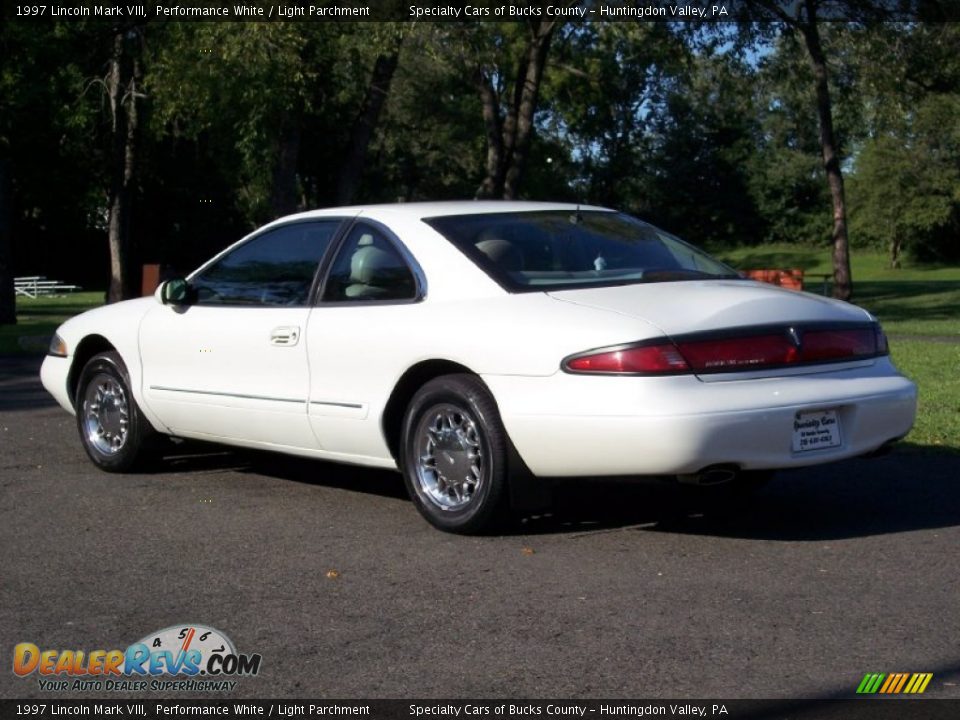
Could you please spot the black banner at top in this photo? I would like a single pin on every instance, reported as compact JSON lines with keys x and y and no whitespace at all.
{"x":481,"y":10}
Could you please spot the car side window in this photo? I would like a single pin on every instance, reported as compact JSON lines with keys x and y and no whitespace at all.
{"x":369,"y":267}
{"x":273,"y":269}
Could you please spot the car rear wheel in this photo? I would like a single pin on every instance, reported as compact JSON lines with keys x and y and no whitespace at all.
{"x":454,"y":455}
{"x":112,"y":428}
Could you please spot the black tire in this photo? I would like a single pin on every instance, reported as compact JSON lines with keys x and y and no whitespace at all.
{"x":115,"y":437}
{"x":453,"y":420}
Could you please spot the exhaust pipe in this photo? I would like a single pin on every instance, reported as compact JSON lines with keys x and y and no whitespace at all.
{"x":711,"y":475}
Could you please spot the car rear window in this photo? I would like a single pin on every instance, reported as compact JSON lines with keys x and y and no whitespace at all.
{"x":564,"y":249}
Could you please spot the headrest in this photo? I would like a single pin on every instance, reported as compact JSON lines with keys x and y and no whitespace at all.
{"x":369,"y":263}
{"x":502,"y":253}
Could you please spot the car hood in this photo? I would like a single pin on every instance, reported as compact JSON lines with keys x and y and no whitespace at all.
{"x":678,"y":308}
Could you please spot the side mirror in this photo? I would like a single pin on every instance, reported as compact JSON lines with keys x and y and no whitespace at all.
{"x":176,"y":292}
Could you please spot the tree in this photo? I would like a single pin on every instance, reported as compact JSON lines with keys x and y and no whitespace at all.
{"x":605,"y":97}
{"x":124,"y":83}
{"x":705,"y":134}
{"x":8,"y":301}
{"x":805,"y":22}
{"x":784,"y":169}
{"x":46,"y":189}
{"x":905,"y":195}
{"x":241,"y":92}
{"x":509,"y":101}
{"x":905,"y":187}
{"x":378,"y":90}
{"x":289,"y":110}
{"x":9,"y":81}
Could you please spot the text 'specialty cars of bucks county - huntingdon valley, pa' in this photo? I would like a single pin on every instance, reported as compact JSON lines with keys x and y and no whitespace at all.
{"x":479,"y":348}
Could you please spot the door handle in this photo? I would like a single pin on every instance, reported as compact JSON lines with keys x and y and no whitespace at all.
{"x":285,"y":335}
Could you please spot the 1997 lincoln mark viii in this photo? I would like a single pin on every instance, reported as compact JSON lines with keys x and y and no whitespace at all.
{"x":477,"y":346}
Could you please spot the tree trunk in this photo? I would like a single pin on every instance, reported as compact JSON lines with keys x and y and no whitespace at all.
{"x":377,"y":92}
{"x":896,"y":248}
{"x":526,"y":107}
{"x":492,"y":185}
{"x":842,"y":281}
{"x":283,"y":191}
{"x":8,"y":298}
{"x":508,"y":139}
{"x":123,"y":86}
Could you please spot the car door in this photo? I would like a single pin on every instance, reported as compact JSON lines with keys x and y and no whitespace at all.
{"x":232,"y":365}
{"x":359,"y":336}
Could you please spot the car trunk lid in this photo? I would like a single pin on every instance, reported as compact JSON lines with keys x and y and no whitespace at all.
{"x":724,"y":307}
{"x":678,"y":308}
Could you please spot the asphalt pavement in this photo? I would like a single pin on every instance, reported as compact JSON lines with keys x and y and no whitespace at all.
{"x":626,"y":590}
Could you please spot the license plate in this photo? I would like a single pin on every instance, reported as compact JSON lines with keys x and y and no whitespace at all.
{"x":816,"y":430}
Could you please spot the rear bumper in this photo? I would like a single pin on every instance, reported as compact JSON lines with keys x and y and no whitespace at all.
{"x":568,"y":425}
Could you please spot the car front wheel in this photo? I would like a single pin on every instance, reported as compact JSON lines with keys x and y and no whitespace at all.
{"x":112,"y":428}
{"x":454,"y":455}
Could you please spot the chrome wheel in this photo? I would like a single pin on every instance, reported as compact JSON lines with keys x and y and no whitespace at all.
{"x":106,"y":414}
{"x":450,"y":466}
{"x":113,"y":431}
{"x":453,"y":454}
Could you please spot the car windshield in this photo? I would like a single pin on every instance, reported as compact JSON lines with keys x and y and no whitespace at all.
{"x":564,"y":249}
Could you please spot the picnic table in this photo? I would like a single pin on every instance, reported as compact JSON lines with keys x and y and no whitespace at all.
{"x":34,"y":286}
{"x":792,"y":279}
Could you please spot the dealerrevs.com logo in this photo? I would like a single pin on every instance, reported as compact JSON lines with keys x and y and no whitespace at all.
{"x":181,"y":657}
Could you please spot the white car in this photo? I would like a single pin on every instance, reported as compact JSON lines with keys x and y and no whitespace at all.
{"x":478,"y":347}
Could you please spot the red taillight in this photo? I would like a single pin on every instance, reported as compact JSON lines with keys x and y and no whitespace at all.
{"x":820,"y":345}
{"x":882,"y":347}
{"x":779,"y":348}
{"x":662,"y":358}
{"x":740,"y":353}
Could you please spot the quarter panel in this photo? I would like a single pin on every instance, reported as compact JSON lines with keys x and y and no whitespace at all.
{"x":358,"y":352}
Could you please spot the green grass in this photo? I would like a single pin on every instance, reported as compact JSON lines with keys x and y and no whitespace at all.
{"x":913,"y":303}
{"x":933,"y":366}
{"x":914,"y":300}
{"x":38,"y":318}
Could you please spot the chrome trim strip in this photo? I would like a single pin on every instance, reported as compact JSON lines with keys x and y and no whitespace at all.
{"x":354,"y":406}
{"x":226,"y":394}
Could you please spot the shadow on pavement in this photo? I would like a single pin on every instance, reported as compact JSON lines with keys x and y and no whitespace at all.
{"x":20,"y":387}
{"x":904,"y":491}
{"x":189,"y":456}
{"x":901,"y":492}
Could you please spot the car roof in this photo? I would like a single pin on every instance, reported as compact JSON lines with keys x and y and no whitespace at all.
{"x":420,"y":210}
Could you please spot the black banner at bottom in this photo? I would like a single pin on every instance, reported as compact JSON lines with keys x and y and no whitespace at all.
{"x":893,"y":708}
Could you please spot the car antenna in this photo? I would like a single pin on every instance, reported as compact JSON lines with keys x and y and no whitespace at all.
{"x":577,"y":217}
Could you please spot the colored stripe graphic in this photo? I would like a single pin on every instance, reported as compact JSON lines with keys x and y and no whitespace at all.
{"x":922,"y":681}
{"x":894,"y":683}
{"x":870,"y":683}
